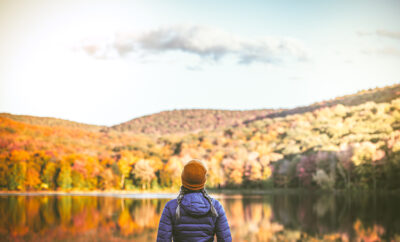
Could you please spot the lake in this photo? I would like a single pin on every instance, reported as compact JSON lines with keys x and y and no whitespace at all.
{"x":290,"y":216}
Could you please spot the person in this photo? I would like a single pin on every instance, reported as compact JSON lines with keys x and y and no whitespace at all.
{"x":193,"y":215}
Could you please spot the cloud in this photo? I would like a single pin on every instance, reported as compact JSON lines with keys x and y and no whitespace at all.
{"x":386,"y":51}
{"x":382,"y":51}
{"x":194,"y":68}
{"x":389,"y":34}
{"x":205,"y":42}
{"x":363,"y":33}
{"x":381,"y":33}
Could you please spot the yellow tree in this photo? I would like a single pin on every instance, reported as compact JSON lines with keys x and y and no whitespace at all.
{"x":253,"y":170}
{"x":48,"y":176}
{"x":215,"y":174}
{"x":93,"y":168}
{"x":125,"y":165}
{"x":3,"y":171}
{"x":170,"y":175}
{"x":64,"y":180}
{"x":155,"y":163}
{"x":144,"y":173}
{"x":233,"y":170}
{"x":106,"y":179}
{"x":17,"y":174}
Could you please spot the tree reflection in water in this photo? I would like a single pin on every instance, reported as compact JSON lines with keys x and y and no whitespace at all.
{"x":287,"y":217}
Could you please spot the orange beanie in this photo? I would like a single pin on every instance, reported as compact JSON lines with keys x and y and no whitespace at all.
{"x":194,"y":175}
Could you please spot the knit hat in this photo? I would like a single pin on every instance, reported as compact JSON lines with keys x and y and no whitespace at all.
{"x":194,"y":175}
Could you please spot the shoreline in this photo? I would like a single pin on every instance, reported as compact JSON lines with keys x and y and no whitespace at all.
{"x":219,"y":192}
{"x":116,"y":194}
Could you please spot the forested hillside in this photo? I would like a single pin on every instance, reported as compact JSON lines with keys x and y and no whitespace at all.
{"x":189,"y":120}
{"x":350,"y":142}
{"x":194,"y":120}
{"x":46,"y":121}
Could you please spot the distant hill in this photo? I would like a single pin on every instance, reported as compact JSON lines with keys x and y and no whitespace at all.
{"x":376,"y":95}
{"x":47,"y":121}
{"x":191,"y":120}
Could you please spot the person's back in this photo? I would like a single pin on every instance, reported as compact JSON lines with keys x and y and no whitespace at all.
{"x":194,"y":215}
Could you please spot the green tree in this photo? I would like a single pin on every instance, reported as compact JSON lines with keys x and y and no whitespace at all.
{"x":16,"y":176}
{"x":3,"y":173}
{"x":366,"y":159}
{"x":48,"y":176}
{"x":64,"y":180}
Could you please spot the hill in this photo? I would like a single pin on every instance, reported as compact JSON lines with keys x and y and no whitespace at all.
{"x":376,"y":95}
{"x":52,"y":122}
{"x":194,"y":120}
{"x":188,"y":120}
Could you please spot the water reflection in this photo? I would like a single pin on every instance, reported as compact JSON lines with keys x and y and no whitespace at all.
{"x":289,"y":217}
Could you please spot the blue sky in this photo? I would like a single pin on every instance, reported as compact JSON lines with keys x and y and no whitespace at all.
{"x":106,"y":62}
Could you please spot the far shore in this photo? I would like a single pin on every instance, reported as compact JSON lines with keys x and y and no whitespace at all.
{"x":173,"y":192}
{"x":80,"y":192}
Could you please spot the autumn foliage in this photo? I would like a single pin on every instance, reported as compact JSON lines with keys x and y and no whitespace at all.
{"x":348,"y":142}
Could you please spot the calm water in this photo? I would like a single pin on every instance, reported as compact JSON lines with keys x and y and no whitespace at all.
{"x":278,"y":217}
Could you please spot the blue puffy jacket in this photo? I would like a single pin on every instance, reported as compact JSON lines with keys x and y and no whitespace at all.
{"x":196,"y":222}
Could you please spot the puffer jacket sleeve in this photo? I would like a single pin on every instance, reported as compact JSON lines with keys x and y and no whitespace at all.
{"x":222,"y":227}
{"x":165,"y":226}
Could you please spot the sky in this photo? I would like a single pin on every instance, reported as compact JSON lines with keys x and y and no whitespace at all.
{"x":106,"y":62}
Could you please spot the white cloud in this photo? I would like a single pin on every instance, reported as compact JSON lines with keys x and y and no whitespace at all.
{"x":386,"y":51}
{"x":205,"y":42}
{"x":389,"y":34}
{"x":382,"y":51}
{"x":381,"y":33}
